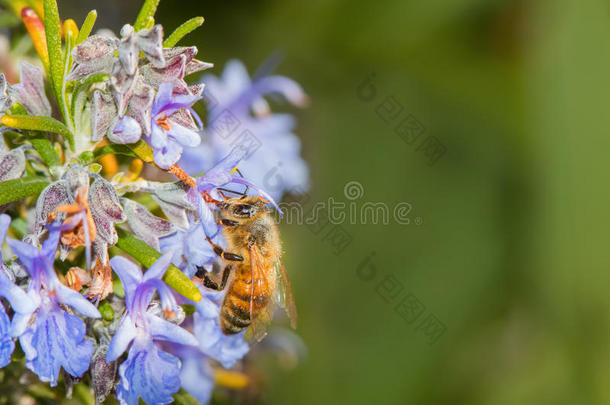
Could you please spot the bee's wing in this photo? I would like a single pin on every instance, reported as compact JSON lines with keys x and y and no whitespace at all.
{"x":259,"y":324}
{"x":283,"y":293}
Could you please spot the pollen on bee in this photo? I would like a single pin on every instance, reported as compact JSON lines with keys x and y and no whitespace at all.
{"x":163,"y":122}
{"x":169,"y":314}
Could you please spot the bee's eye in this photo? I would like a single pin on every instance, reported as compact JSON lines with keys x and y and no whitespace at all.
{"x":243,"y":210}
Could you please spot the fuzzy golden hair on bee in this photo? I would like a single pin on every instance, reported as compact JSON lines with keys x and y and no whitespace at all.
{"x":254,"y":272}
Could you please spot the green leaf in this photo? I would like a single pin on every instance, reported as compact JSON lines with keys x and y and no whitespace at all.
{"x":18,"y":189}
{"x":148,"y":11}
{"x":150,"y":22}
{"x":182,"y":30}
{"x":45,"y":149}
{"x":142,"y":150}
{"x":184,"y":398}
{"x":41,"y":143}
{"x":85,"y":29}
{"x":45,"y":124}
{"x":56,"y":59}
{"x":146,"y":255}
{"x":113,"y":149}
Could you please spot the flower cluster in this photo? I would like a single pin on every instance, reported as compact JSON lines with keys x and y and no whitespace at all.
{"x":78,"y":128}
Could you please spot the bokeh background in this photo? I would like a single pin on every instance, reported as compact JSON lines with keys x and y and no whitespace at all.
{"x":506,"y":245}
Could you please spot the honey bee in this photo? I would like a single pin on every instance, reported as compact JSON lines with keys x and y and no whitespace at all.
{"x":253,"y":256}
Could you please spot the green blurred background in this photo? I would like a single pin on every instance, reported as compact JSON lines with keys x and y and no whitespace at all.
{"x":510,"y":255}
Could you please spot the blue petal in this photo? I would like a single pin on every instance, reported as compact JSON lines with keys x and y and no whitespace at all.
{"x":6,"y":343}
{"x":184,"y":136}
{"x":220,"y":174}
{"x":196,"y":250}
{"x":164,"y":97}
{"x":27,"y":255}
{"x":235,"y":77}
{"x":55,"y":340}
{"x":163,"y":330}
{"x":18,"y":299}
{"x":122,"y":338}
{"x":208,"y":221}
{"x":149,"y":373}
{"x":158,"y":137}
{"x":20,"y":324}
{"x":281,"y":85}
{"x":173,"y":244}
{"x":197,"y":377}
{"x":74,"y":299}
{"x":167,"y":156}
{"x":129,"y":273}
{"x":49,"y":246}
{"x":226,"y":349}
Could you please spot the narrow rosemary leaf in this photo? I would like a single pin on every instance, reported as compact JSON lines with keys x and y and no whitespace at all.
{"x":142,"y":150}
{"x":56,"y":59}
{"x":148,"y":10}
{"x":18,"y":189}
{"x":146,"y":255}
{"x":150,"y":22}
{"x":182,"y":30}
{"x":113,"y":149}
{"x":45,"y":149}
{"x":40,"y":142}
{"x":45,"y":124}
{"x":85,"y":29}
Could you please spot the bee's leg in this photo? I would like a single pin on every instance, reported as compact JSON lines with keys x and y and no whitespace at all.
{"x":208,"y":282}
{"x":225,"y":276}
{"x":232,"y":257}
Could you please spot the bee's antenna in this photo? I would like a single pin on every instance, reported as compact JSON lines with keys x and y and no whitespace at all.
{"x":222,"y":194}
{"x":229,"y":191}
{"x":245,"y":193}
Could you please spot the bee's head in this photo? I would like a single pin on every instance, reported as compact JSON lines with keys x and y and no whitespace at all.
{"x":240,"y":209}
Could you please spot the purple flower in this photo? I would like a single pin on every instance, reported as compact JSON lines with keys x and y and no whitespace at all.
{"x":239,"y":115}
{"x":16,"y":297}
{"x":55,"y":338}
{"x":196,"y":375}
{"x":6,"y":342}
{"x":221,"y":174}
{"x":168,"y":136}
{"x":148,"y":372}
{"x":226,"y":349}
{"x":188,"y":247}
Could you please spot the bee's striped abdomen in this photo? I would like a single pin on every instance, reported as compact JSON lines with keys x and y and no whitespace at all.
{"x":235,"y":309}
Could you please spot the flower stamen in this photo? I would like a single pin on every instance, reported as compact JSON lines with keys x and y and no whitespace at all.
{"x":163,"y":122}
